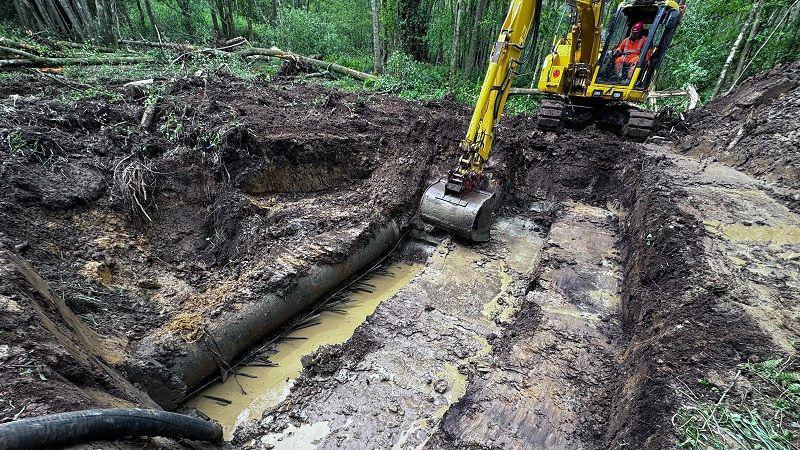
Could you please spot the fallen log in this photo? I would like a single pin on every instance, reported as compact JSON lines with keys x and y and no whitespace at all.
{"x":13,"y":63}
{"x":61,"y":45}
{"x":30,"y":60}
{"x":255,"y":52}
{"x":251,"y":53}
{"x":5,"y":42}
{"x":169,"y":45}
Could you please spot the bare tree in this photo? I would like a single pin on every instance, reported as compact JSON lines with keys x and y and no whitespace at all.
{"x":377,"y":50}
{"x":456,"y":38}
{"x":734,"y":49}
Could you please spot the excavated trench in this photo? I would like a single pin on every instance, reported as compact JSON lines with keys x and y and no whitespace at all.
{"x":265,"y":375}
{"x":223,"y":261}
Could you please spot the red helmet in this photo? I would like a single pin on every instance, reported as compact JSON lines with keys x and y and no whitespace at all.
{"x":638,"y":27}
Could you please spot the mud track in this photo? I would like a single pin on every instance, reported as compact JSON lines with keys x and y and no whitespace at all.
{"x":617,"y":272}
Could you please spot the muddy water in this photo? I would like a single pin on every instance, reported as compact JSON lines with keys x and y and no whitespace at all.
{"x":260,"y":388}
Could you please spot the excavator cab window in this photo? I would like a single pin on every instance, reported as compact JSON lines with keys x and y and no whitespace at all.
{"x":618,"y":61}
{"x":660,"y":39}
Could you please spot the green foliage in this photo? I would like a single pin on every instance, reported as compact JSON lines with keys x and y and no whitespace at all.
{"x":769,"y":418}
{"x":306,"y":33}
{"x":341,"y":31}
{"x":93,"y":93}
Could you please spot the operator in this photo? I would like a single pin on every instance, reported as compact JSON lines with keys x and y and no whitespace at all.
{"x":628,"y":51}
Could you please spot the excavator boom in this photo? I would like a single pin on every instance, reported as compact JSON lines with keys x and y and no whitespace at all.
{"x":459,"y":204}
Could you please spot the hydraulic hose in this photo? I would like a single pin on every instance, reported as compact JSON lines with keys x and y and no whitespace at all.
{"x":59,"y":430}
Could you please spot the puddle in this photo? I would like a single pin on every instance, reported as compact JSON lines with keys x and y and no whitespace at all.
{"x":779,"y":234}
{"x":265,"y":387}
{"x":503,"y":306}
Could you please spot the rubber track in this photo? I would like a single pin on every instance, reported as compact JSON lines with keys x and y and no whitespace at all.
{"x":550,"y":112}
{"x":640,"y":124}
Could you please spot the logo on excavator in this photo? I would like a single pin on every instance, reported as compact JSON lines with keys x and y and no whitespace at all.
{"x":556,"y":73}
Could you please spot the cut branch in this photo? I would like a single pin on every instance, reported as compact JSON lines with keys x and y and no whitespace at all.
{"x":329,"y":66}
{"x":251,"y":53}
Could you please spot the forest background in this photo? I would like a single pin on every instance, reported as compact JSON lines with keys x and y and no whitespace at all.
{"x":422,"y":48}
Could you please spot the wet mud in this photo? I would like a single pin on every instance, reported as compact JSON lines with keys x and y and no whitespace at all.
{"x":255,"y":388}
{"x":617,"y":272}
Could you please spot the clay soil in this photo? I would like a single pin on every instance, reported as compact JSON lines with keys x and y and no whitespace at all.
{"x":116,"y":234}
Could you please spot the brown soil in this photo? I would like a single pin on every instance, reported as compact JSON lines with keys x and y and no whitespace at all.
{"x":754,"y":129}
{"x":160,"y":231}
{"x":227,"y":175}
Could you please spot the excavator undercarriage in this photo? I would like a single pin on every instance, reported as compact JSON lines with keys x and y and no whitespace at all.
{"x":626,"y":119}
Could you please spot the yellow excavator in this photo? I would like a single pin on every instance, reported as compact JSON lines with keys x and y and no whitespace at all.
{"x":590,"y":74}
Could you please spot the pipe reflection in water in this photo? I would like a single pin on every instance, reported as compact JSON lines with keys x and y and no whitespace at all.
{"x":245,"y":397}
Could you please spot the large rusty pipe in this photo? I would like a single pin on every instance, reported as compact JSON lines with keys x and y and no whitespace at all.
{"x":188,"y":364}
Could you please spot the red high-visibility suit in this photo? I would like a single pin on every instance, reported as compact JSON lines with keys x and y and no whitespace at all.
{"x":629,"y":50}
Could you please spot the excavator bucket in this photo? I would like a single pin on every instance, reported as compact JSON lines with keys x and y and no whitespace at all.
{"x":468,"y":215}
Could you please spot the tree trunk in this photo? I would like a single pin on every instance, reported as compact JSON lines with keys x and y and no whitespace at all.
{"x":214,"y":20}
{"x":142,"y":22}
{"x":732,"y":54}
{"x":225,"y":16}
{"x":469,"y":64}
{"x":456,"y":38}
{"x":186,"y":17}
{"x":73,"y":18}
{"x":377,"y":50}
{"x":778,"y":26}
{"x":748,"y":44}
{"x":413,"y":24}
{"x":273,"y":12}
{"x":149,"y":8}
{"x":23,"y":13}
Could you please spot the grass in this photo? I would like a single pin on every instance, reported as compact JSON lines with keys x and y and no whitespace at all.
{"x":764,"y":417}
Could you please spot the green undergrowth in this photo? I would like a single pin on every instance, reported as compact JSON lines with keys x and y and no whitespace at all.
{"x":403,"y":77}
{"x":760,"y":410}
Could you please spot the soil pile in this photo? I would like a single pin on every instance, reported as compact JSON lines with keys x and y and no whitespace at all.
{"x":754,"y":128}
{"x":155,"y":230}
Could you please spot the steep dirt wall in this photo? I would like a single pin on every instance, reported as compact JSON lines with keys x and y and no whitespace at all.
{"x":754,"y":129}
{"x":232,"y":192}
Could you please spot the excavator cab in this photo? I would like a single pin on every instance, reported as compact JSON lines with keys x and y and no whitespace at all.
{"x":591,"y":75}
{"x":660,"y":23}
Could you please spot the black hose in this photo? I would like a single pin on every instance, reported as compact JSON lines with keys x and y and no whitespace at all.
{"x":59,"y":430}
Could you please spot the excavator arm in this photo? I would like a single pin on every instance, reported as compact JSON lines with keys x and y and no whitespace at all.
{"x":570,"y":64}
{"x":522,"y":16}
{"x":458,"y":203}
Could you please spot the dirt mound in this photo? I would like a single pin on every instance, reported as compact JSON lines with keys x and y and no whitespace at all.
{"x":754,"y":128}
{"x":160,"y":229}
